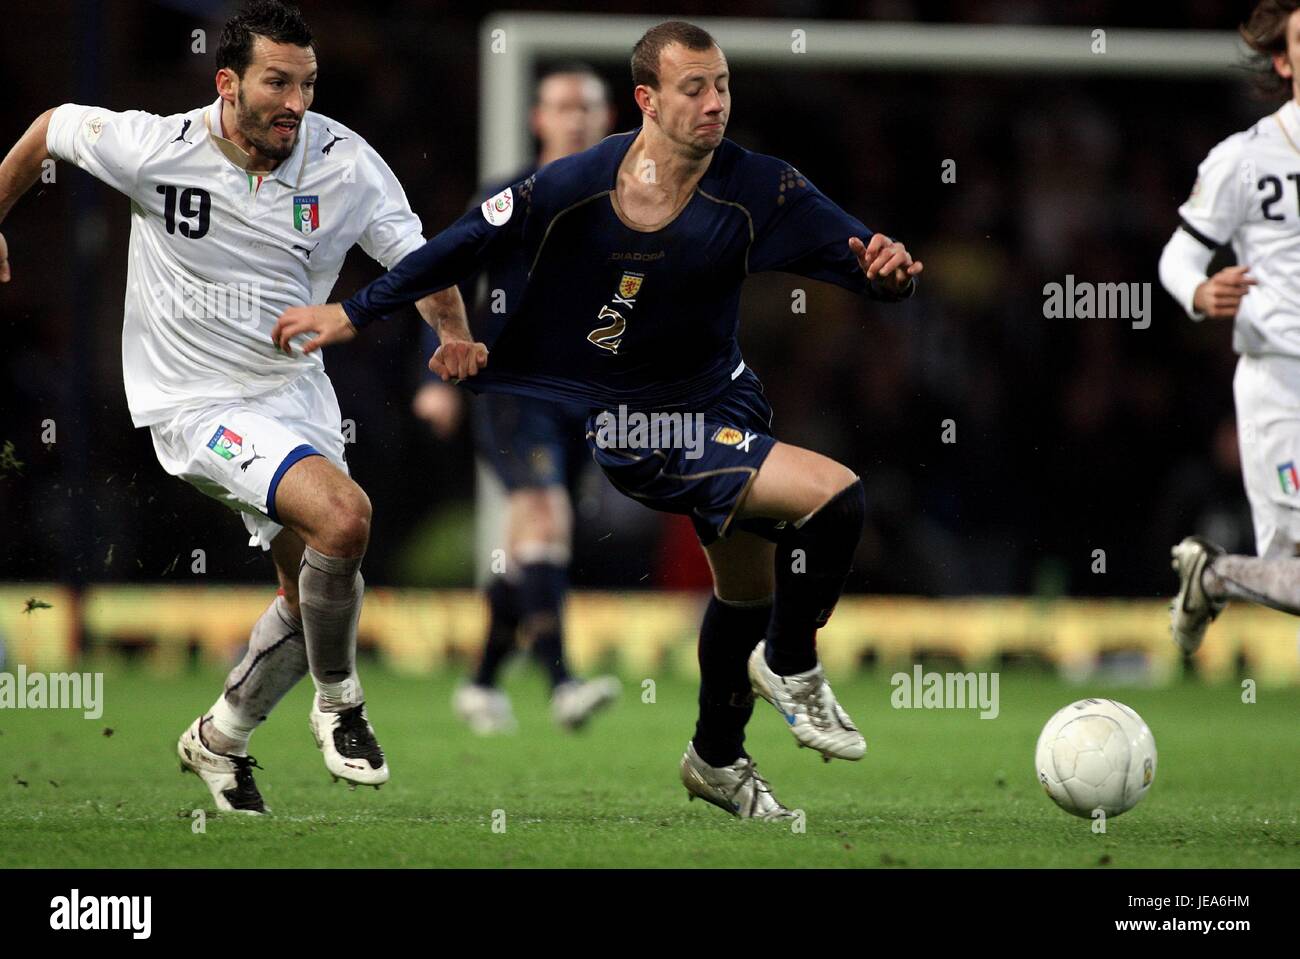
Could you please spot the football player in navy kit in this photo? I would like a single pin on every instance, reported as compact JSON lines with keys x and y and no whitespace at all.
{"x":629,"y":261}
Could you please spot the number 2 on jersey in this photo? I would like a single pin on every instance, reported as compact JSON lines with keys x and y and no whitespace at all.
{"x":186,"y":206}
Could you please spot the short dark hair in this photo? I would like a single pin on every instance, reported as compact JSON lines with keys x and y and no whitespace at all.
{"x":645,"y":55}
{"x":277,"y":21}
{"x":567,"y":68}
{"x":1265,"y":34}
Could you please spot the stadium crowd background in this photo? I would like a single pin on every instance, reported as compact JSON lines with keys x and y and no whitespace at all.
{"x":1071,"y":435}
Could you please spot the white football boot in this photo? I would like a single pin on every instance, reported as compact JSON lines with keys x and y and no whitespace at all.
{"x":809,"y":707}
{"x":1192,"y":610}
{"x":486,"y":710}
{"x":737,"y":788}
{"x":577,"y":700}
{"x":348,"y":743}
{"x":228,"y":778}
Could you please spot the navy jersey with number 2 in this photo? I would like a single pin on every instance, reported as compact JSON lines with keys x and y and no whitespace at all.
{"x":604,"y":313}
{"x":607,"y":314}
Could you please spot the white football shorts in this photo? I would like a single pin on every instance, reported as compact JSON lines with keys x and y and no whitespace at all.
{"x":238,"y":451}
{"x":1266,"y":390}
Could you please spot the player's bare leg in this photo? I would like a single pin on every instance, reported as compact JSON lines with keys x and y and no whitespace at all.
{"x":794,"y":482}
{"x":331,"y":514}
{"x":822,"y":505}
{"x":716,"y":767}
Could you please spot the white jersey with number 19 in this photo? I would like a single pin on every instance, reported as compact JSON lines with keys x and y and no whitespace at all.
{"x":217,"y":253}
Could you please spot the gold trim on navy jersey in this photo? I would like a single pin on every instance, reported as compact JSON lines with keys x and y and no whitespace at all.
{"x":748,"y":217}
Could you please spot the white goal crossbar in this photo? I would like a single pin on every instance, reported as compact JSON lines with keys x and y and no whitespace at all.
{"x":512,"y":44}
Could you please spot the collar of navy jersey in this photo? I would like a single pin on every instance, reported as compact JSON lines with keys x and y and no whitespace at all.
{"x":621,"y":153}
{"x":287,"y":171}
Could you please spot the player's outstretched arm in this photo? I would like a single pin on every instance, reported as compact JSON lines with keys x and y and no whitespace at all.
{"x":457,"y":358}
{"x":443,"y":261}
{"x":806,"y":233}
{"x":886,"y":262}
{"x":456,"y":253}
{"x":21,"y":168}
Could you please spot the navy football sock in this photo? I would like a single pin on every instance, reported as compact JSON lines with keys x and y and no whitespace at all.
{"x":541,"y":602}
{"x":813,"y":560}
{"x":503,"y":623}
{"x":728,"y":635}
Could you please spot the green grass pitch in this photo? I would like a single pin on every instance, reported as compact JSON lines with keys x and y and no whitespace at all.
{"x":937,"y":787}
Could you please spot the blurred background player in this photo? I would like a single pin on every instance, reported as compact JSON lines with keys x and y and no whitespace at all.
{"x":238,"y":209}
{"x":649,"y":237}
{"x":1247,"y":195}
{"x":536,"y":449}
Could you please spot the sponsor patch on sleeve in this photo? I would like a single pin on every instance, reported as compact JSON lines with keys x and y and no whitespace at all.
{"x":497,"y":209}
{"x":93,"y":128}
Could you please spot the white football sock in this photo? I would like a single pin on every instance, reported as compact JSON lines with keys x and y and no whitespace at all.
{"x":1269,"y":582}
{"x":275,"y":662}
{"x":330,"y":590}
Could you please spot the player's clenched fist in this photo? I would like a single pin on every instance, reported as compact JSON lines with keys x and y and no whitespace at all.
{"x":458,"y":359}
{"x":1220,"y":295}
{"x":886,"y":259}
{"x":330,"y":324}
{"x":4,"y":260}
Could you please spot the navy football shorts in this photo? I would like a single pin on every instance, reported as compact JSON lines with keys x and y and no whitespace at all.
{"x":530,"y":443}
{"x":702,"y":476}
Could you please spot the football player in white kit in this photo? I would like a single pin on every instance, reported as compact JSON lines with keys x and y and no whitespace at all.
{"x":240,"y":209}
{"x":1247,"y":194}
